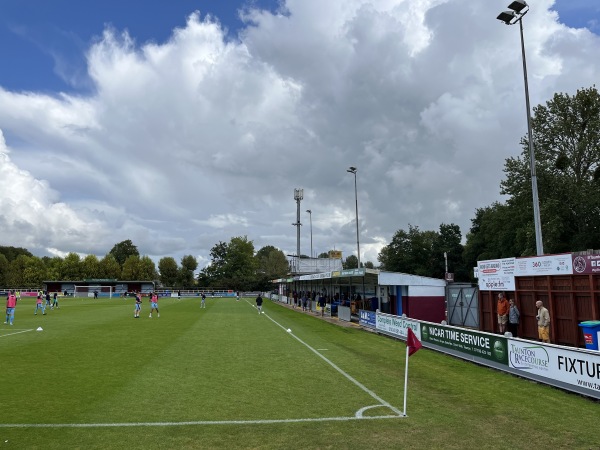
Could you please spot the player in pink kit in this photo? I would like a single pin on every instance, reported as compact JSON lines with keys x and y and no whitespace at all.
{"x":154,"y":304}
{"x":39,"y":305}
{"x":11,"y":303}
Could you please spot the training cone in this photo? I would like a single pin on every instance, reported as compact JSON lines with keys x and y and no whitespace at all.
{"x":39,"y":329}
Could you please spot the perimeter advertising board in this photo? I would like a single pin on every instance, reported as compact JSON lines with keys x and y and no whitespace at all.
{"x":482,"y":345}
{"x":586,"y":264}
{"x":397,"y":326}
{"x":367,"y":318}
{"x":496,"y":274}
{"x":544,"y":265}
{"x":576,"y":368}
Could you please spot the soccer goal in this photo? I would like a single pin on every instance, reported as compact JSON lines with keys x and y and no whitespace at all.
{"x":90,"y":291}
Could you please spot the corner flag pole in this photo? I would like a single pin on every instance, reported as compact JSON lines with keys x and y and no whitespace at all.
{"x":412,"y":346}
{"x":406,"y":379}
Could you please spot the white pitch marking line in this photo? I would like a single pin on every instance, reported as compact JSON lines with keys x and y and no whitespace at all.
{"x":349,"y":377}
{"x":188,"y":423}
{"x":16,"y":332}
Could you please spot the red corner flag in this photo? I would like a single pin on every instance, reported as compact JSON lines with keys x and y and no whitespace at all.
{"x":412,"y":342}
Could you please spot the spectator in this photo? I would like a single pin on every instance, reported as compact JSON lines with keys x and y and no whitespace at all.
{"x":513,"y":318}
{"x":502,"y":310}
{"x":322,"y":304}
{"x":543,"y":320}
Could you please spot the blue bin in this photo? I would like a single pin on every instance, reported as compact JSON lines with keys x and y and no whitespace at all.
{"x":590,"y":329}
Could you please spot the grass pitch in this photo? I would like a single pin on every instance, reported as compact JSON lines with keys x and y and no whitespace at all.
{"x":226,"y":377}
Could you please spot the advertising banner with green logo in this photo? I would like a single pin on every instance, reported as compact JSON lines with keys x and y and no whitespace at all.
{"x":482,"y":345}
{"x":581,"y":369}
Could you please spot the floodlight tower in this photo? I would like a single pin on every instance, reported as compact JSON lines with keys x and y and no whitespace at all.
{"x":353,"y":171}
{"x":298,"y":196}
{"x":518,"y":9}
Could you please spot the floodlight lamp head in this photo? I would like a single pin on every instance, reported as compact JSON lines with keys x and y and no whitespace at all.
{"x":309,"y":211}
{"x":507,"y":17}
{"x":351,"y":169}
{"x":518,"y":6}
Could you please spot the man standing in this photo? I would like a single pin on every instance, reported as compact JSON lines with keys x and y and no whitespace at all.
{"x":55,"y":303}
{"x":322,"y":303}
{"x":543,"y":320}
{"x":259,"y":301}
{"x":502,"y":308}
{"x":11,"y":303}
{"x":138,"y":305}
{"x":203,"y":304}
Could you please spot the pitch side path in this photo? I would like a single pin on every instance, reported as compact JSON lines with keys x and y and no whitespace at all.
{"x":94,"y":365}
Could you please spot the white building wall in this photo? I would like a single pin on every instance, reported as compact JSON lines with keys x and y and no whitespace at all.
{"x":404,"y":279}
{"x":426,"y":291}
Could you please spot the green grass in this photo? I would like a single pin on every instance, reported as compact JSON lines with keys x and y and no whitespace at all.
{"x":226,"y":366}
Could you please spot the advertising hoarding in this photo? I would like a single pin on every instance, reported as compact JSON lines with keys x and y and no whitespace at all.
{"x":576,"y":368}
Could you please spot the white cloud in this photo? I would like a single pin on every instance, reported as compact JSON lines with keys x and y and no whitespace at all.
{"x":199,"y":139}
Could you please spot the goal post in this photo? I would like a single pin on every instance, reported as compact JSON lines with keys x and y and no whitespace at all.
{"x":90,"y":291}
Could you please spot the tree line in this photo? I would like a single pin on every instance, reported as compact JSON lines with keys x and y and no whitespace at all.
{"x":566,"y":141}
{"x":234,"y":265}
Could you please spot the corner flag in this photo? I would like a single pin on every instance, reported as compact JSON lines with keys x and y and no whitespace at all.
{"x":412,"y":342}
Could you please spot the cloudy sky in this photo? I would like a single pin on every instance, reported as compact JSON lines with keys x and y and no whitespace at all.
{"x":178,"y":124}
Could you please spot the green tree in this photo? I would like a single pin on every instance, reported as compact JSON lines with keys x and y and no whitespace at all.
{"x":53,"y":267}
{"x":351,"y":262}
{"x":271,"y":264}
{"x":185,"y":278}
{"x":71,"y":267}
{"x":168,"y":270}
{"x":16,"y":271}
{"x":186,"y":271}
{"x":109,"y":267}
{"x":233,"y":265}
{"x":215,"y":272}
{"x":90,"y":267}
{"x":3,"y":270}
{"x":34,"y":273}
{"x":147,"y":269}
{"x":124,"y":250}
{"x":136,"y":268}
{"x":131,"y":268}
{"x":449,"y":242}
{"x":410,"y":252}
{"x":11,"y":253}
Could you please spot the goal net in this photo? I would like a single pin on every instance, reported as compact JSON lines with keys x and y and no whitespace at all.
{"x":93,"y":291}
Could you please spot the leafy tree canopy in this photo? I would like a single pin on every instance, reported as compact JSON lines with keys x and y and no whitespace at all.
{"x":124,"y":250}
